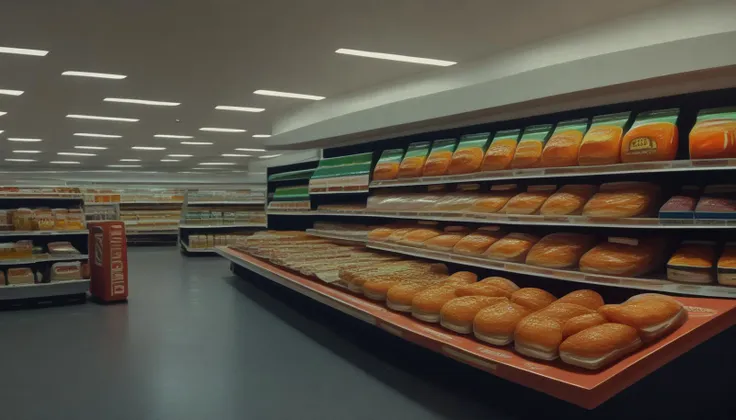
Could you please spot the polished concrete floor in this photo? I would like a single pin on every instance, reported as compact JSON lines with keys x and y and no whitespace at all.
{"x":196,"y":342}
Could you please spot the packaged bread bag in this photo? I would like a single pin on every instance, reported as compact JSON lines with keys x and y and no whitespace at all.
{"x":440,"y":157}
{"x":562,"y":148}
{"x":653,"y":137}
{"x":501,"y":151}
{"x":413,"y":163}
{"x":388,"y":165}
{"x":714,"y":134}
{"x":469,"y":154}
{"x":602,"y":143}
{"x":727,"y":265}
{"x":693,"y":262}
{"x":529,"y":150}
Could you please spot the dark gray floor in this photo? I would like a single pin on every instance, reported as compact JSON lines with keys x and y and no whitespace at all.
{"x":195,"y":342}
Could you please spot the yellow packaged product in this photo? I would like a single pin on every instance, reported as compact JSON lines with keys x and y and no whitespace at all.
{"x":602,"y":143}
{"x":562,"y":148}
{"x":23,"y":219}
{"x":413,"y":163}
{"x":440,"y":157}
{"x":60,"y":218}
{"x":43,"y":219}
{"x":501,"y":151}
{"x":468,"y":156}
{"x":388,"y":165}
{"x":529,"y":151}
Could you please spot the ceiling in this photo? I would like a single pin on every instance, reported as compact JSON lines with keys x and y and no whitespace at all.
{"x":218,"y":52}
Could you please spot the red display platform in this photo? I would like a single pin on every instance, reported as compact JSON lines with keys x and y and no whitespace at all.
{"x":707,"y":317}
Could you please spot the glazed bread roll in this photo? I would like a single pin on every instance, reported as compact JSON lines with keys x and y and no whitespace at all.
{"x":426,"y":305}
{"x":492,"y":202}
{"x":568,"y":200}
{"x":399,"y":233}
{"x":448,"y":239}
{"x":399,"y":296}
{"x":622,"y":259}
{"x":623,"y":199}
{"x":477,"y":243}
{"x":462,"y":277}
{"x":539,"y":335}
{"x":490,"y":286}
{"x":356,"y":278}
{"x":458,"y":314}
{"x":653,"y":315}
{"x":583,"y":297}
{"x":560,"y":250}
{"x":693,"y":262}
{"x":417,"y":237}
{"x":600,"y":345}
{"x":513,"y":247}
{"x":582,"y":322}
{"x":495,"y":324}
{"x":532,"y":298}
{"x":527,"y":202}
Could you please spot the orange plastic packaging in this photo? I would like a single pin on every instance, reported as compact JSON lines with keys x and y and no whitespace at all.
{"x":653,"y":137}
{"x":469,"y":154}
{"x":501,"y":151}
{"x":562,"y":148}
{"x":413,"y":163}
{"x":602,"y":143}
{"x":529,"y":151}
{"x":714,"y":134}
{"x":439,"y":158}
{"x":388,"y":165}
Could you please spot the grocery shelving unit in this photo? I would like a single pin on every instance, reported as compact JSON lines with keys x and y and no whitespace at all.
{"x":214,"y":217}
{"x":331,"y":202}
{"x":62,"y":291}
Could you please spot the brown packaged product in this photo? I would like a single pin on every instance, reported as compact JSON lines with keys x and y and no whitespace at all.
{"x":513,"y":247}
{"x":727,"y":265}
{"x":478,"y":242}
{"x":530,"y":201}
{"x":693,"y":262}
{"x":20,"y":275}
{"x":23,"y":219}
{"x":418,"y":236}
{"x":449,"y":238}
{"x":623,"y":257}
{"x":398,"y":234}
{"x":560,"y":250}
{"x":62,"y":248}
{"x":492,"y":202}
{"x":380,"y":234}
{"x":623,"y":199}
{"x":62,"y":271}
{"x":568,"y":200}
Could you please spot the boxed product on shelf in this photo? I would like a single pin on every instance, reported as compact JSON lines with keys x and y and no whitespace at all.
{"x":653,"y":137}
{"x":682,"y":205}
{"x":388,"y":164}
{"x":529,"y":150}
{"x":562,"y":148}
{"x":468,"y":156}
{"x":693,"y":262}
{"x":602,"y":143}
{"x":16,"y":250}
{"x":501,"y":151}
{"x":412,"y":164}
{"x":714,"y":134}
{"x":717,"y":202}
{"x":439,"y":157}
{"x":20,"y":275}
{"x":62,"y":271}
{"x":62,"y":248}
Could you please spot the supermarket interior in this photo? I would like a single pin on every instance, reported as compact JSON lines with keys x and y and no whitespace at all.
{"x":334,"y":210}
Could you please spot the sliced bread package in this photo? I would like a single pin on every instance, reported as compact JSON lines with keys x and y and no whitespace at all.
{"x":529,"y":150}
{"x":653,"y":137}
{"x":714,"y":134}
{"x":468,"y":156}
{"x":602,"y":143}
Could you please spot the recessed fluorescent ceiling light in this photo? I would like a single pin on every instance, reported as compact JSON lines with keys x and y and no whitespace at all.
{"x":269,"y":156}
{"x":123,"y":166}
{"x":288,"y":95}
{"x":396,"y":57}
{"x":222,"y":130}
{"x":147,"y":148}
{"x":2,"y":113}
{"x":261,"y":136}
{"x":130,"y":160}
{"x":172,"y":136}
{"x":186,"y":172}
{"x":179,"y":155}
{"x":23,"y":139}
{"x":91,"y":147}
{"x":217,"y":163}
{"x":23,"y":51}
{"x":170,"y":160}
{"x":75,"y":154}
{"x":64,"y":162}
{"x":94,"y":74}
{"x":97,"y":117}
{"x":26,"y":151}
{"x":19,"y":160}
{"x":239,"y":108}
{"x":250,"y":150}
{"x":205,"y":169}
{"x":234,"y":155}
{"x":97,"y":135}
{"x":141,"y":102}
{"x":11,"y":92}
{"x":197,"y":143}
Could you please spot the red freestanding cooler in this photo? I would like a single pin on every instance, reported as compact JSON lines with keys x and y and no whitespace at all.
{"x":108,"y":260}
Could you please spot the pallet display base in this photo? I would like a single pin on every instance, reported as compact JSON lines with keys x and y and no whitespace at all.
{"x":586,"y":389}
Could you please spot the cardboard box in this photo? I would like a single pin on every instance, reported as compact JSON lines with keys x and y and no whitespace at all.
{"x":108,"y":252}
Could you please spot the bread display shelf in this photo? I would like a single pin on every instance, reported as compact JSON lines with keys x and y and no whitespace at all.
{"x":564,"y":172}
{"x":650,"y":284}
{"x":152,"y":202}
{"x":587,"y":389}
{"x":359,"y":238}
{"x":360,"y":191}
{"x":235,"y":225}
{"x":195,"y":250}
{"x":41,"y":290}
{"x":140,"y":232}
{"x":43,"y":232}
{"x":60,"y":196}
{"x":44,"y":259}
{"x":243,"y":203}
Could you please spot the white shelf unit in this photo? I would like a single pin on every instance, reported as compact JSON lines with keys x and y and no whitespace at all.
{"x":196,"y":250}
{"x":55,"y":258}
{"x":43,"y":290}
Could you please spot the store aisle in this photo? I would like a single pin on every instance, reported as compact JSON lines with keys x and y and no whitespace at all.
{"x":196,"y":342}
